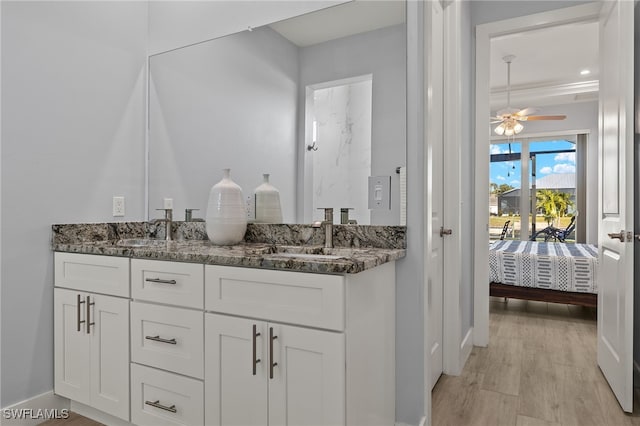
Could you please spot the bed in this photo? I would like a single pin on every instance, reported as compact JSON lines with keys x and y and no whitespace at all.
{"x":547,"y":272}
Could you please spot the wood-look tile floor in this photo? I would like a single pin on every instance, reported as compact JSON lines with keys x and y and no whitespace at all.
{"x":540,"y":369}
{"x":73,"y":420}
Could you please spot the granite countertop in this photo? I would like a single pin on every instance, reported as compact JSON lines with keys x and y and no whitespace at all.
{"x":275,"y":251}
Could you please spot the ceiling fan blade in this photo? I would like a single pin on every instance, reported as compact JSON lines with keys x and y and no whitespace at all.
{"x":544,"y":117}
{"x":526,"y":111}
{"x":496,"y":121}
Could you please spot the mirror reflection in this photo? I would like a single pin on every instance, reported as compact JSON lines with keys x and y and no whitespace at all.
{"x":316,"y":101}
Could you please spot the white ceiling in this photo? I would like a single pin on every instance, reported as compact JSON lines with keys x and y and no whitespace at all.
{"x":546,"y":70}
{"x":341,"y":21}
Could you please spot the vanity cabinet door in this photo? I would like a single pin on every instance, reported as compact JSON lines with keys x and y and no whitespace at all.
{"x":303,"y":383}
{"x":109,"y":336}
{"x":236,"y":394}
{"x":308,"y":384}
{"x":72,"y":348}
{"x":92,"y":366}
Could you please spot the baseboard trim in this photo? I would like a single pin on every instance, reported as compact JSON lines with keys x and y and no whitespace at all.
{"x":33,"y":411}
{"x":466,"y":347}
{"x":97,"y":415}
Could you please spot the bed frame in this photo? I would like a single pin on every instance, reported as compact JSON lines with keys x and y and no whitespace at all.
{"x":543,"y":295}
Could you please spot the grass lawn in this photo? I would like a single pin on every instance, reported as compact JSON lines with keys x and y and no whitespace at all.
{"x":498,"y":221}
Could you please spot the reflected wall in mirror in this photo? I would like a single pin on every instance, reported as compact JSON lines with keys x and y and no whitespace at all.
{"x":249,"y":102}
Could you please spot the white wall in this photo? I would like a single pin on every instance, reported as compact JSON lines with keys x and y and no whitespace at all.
{"x":73,"y":96}
{"x":483,"y":11}
{"x":227,"y":103}
{"x":174,"y":24}
{"x":381,"y":53}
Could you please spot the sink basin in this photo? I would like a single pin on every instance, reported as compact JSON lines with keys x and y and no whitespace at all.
{"x":309,"y":256}
{"x":141,"y":242}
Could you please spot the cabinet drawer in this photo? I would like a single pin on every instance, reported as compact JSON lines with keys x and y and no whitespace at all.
{"x":160,"y":398}
{"x":168,"y":338}
{"x":87,"y":272}
{"x":299,"y":298}
{"x":174,"y":283}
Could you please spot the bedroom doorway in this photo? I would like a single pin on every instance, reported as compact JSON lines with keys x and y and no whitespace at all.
{"x":614,"y":179}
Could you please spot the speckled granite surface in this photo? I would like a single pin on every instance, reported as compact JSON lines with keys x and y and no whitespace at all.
{"x":287,"y":247}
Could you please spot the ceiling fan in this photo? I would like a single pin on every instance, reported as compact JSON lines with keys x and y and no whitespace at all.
{"x":510,"y":118}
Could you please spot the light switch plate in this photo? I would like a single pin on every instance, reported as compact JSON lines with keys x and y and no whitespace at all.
{"x":168,"y":203}
{"x":380,"y":192}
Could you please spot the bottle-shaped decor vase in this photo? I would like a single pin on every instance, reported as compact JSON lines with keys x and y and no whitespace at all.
{"x":268,"y":208}
{"x":226,"y":212}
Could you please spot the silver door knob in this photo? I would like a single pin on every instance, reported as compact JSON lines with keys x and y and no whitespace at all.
{"x":618,"y":235}
{"x":444,"y":231}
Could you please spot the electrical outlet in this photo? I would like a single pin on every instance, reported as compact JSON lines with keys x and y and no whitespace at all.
{"x":251,"y":208}
{"x":118,"y":206}
{"x":168,"y":203}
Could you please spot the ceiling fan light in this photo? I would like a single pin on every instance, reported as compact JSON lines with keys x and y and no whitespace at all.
{"x":499,"y":130}
{"x":508,"y":131}
{"x":518,"y":128}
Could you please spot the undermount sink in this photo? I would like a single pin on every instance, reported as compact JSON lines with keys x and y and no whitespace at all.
{"x":309,"y":256}
{"x":141,"y":242}
{"x":310,"y":252}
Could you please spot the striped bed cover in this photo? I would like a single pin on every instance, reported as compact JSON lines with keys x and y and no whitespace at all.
{"x":555,"y":266}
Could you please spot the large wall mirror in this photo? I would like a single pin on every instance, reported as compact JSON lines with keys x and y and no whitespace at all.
{"x":317,"y":101}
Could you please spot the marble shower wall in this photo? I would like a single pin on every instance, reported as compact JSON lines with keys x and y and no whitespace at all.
{"x":342,"y":163}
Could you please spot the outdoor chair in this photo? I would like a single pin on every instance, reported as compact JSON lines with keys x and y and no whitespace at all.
{"x":556,"y":234}
{"x":504,"y":229}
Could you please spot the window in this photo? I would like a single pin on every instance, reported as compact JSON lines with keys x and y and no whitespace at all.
{"x":531,"y":195}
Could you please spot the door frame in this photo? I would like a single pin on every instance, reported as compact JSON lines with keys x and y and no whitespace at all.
{"x":484,"y":33}
{"x":456,"y":347}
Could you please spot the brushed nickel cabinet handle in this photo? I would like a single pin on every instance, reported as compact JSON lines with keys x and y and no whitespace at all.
{"x":271,"y":363}
{"x":255,"y":355}
{"x":89,"y":323}
{"x":161,"y":340}
{"x":161,"y":281}
{"x":157,"y":404}
{"x":79,"y":311}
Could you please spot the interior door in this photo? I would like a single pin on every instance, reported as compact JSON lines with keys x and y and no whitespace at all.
{"x":434,"y":81}
{"x":615,"y":282}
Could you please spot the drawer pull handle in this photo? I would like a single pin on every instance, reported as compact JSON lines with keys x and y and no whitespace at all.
{"x":161,"y":340}
{"x":89,"y":323}
{"x":161,"y":281}
{"x":255,"y":355}
{"x":271,"y":363}
{"x":79,"y":311}
{"x":157,"y":404}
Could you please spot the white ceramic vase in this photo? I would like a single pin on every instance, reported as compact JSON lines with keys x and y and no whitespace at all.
{"x":268,"y":208}
{"x":226,"y":212}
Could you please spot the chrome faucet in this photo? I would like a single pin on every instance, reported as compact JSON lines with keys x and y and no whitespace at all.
{"x":328,"y":226}
{"x":168,"y":221}
{"x":344,"y":217}
{"x":188,"y":216}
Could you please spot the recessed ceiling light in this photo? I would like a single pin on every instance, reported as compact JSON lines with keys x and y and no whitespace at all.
{"x":585,"y":72}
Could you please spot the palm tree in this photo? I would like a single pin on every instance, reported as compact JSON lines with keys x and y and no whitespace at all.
{"x":546,"y":201}
{"x":554,"y":204}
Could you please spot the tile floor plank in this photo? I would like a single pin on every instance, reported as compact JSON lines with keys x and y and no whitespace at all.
{"x":540,"y":369}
